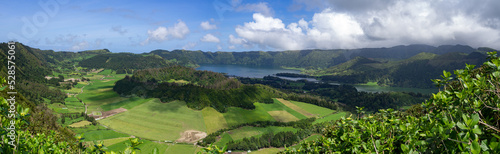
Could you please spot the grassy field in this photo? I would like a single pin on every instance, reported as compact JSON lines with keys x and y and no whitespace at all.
{"x":330,"y":117}
{"x":282,"y":116}
{"x":72,"y":105}
{"x":146,"y":147}
{"x":157,"y":121}
{"x":80,"y":124}
{"x":295,"y":107}
{"x":316,"y":110}
{"x":213,"y":120}
{"x":278,"y":106}
{"x":127,"y":103}
{"x":108,"y":142}
{"x":248,"y":131}
{"x":268,"y":151}
{"x":236,"y":116}
{"x":225,"y":138}
{"x":182,"y":149}
{"x":102,"y":135}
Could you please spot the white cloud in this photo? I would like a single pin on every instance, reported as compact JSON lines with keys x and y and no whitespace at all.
{"x":190,"y":45}
{"x":329,"y":30}
{"x":219,"y":47}
{"x":80,"y":46}
{"x":178,"y":31}
{"x":238,"y":41}
{"x":207,"y":26}
{"x":402,"y":22}
{"x":261,"y":7}
{"x":210,"y":38}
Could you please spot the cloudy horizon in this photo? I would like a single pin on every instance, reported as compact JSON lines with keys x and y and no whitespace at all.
{"x":244,"y":25}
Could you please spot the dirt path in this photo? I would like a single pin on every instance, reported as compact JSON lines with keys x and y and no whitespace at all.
{"x":109,"y":113}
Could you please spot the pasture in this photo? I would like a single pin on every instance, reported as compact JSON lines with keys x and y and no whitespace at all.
{"x":330,"y":117}
{"x":157,"y":121}
{"x":213,"y":120}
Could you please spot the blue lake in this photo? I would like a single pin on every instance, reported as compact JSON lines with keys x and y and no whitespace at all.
{"x":244,"y":70}
{"x":261,"y":71}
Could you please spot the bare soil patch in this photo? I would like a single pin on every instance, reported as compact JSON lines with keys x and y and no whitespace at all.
{"x":191,"y":136}
{"x":109,"y":113}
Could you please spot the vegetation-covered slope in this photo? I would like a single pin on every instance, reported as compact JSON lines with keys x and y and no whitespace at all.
{"x":216,"y":91}
{"x":123,"y":61}
{"x":461,"y":118}
{"x":414,"y":72}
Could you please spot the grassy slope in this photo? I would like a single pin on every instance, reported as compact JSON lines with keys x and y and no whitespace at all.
{"x":330,"y":117}
{"x":102,"y":135}
{"x":236,"y":116}
{"x":213,"y":119}
{"x":157,"y":121}
{"x":316,"y":110}
{"x":247,"y":131}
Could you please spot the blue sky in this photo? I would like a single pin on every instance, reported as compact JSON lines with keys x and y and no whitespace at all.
{"x":243,"y":25}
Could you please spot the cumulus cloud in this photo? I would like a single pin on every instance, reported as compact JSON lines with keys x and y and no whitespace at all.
{"x":178,"y":31}
{"x":80,"y":46}
{"x":399,"y":22}
{"x":189,"y":45}
{"x":207,"y":26}
{"x":261,"y":8}
{"x":210,"y":38}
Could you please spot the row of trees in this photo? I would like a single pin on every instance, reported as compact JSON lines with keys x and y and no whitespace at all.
{"x":301,"y":124}
{"x":280,"y":139}
{"x":206,"y":79}
{"x":35,"y":92}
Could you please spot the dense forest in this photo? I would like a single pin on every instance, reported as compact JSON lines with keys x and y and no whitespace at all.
{"x":399,"y":73}
{"x":216,"y":91}
{"x":344,"y":94}
{"x":124,"y":62}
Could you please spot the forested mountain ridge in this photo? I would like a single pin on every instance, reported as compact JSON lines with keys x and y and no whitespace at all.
{"x":311,"y":59}
{"x":299,"y":58}
{"x":124,"y":61}
{"x":30,"y":65}
{"x":416,"y":71}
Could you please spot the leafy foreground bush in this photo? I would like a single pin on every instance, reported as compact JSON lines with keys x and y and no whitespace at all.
{"x":464,"y":117}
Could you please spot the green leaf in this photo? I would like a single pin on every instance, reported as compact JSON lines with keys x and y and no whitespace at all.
{"x":475,"y":148}
{"x":461,"y":125}
{"x":475,"y":119}
{"x":484,"y":146}
{"x":496,"y":74}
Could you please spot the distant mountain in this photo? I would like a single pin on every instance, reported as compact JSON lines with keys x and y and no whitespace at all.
{"x":404,"y":52}
{"x":300,"y":58}
{"x":124,"y":61}
{"x":414,"y":72}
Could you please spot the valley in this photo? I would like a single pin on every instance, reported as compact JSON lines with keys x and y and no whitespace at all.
{"x":161,"y":124}
{"x":112,"y":99}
